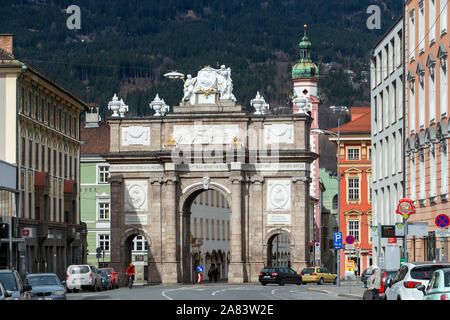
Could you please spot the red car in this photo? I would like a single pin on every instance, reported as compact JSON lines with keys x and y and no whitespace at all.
{"x":114,"y":276}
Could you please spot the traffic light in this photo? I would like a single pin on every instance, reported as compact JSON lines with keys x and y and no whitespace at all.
{"x":4,"y":232}
{"x":311,"y":247}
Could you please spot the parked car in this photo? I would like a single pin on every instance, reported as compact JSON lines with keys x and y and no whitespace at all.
{"x":439,"y":286}
{"x":114,"y":276}
{"x":4,"y":295}
{"x":106,"y":279}
{"x":376,"y":283}
{"x":279,"y":275}
{"x":14,"y":285}
{"x":318,"y":275}
{"x":83,"y":277}
{"x":410,"y":276}
{"x":367,"y":273}
{"x":46,"y":286}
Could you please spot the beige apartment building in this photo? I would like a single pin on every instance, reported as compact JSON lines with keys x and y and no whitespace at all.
{"x":40,"y":137}
{"x":427,"y":162}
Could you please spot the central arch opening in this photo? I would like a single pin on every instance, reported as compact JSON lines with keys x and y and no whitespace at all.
{"x":207,"y":238}
{"x":279,"y":250}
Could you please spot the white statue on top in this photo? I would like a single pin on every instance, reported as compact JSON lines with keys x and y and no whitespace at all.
{"x":189,"y":85}
{"x":225,"y":84}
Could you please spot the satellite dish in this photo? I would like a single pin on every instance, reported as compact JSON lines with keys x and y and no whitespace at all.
{"x":174,"y":75}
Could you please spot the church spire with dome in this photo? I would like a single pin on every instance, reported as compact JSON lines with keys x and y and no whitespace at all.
{"x":305,"y":68}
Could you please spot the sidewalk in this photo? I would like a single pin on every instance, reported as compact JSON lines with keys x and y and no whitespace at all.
{"x":353,"y":290}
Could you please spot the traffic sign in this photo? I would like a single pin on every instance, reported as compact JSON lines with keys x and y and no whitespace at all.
{"x":442,"y":221}
{"x":350,"y":239}
{"x":349,"y":265}
{"x":442,"y":233}
{"x":349,"y":247}
{"x":199,"y":269}
{"x":337,"y":240}
{"x":370,"y":252}
{"x":405,"y":208}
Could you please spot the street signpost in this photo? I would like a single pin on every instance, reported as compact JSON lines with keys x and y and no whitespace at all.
{"x":405,"y":209}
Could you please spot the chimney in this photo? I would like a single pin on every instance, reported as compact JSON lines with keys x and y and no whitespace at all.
{"x":6,"y":43}
{"x":92,"y":116}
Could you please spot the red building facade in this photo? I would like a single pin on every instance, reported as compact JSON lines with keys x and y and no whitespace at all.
{"x":355,"y":194}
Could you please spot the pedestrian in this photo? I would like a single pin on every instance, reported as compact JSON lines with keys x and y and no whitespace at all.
{"x":215,"y":272}
{"x":210,"y":274}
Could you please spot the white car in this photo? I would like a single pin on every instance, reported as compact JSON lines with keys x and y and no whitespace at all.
{"x":410,"y":276}
{"x":83,"y":276}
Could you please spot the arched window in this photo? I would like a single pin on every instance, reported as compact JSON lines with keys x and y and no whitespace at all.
{"x":335,"y":202}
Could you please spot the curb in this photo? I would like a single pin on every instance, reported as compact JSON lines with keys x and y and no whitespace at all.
{"x":352,"y":296}
{"x":345,"y":295}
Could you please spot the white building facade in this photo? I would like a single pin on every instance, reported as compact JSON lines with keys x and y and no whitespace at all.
{"x":387,"y":122}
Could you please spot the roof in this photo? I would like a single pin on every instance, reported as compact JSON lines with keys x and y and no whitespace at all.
{"x":359,"y":125}
{"x":95,"y":140}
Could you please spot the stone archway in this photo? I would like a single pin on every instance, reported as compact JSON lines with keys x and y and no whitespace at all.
{"x":126,"y":243}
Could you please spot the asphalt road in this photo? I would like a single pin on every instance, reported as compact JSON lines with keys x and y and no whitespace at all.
{"x":211,"y":292}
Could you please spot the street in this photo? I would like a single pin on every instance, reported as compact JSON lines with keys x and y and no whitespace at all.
{"x":223,"y":291}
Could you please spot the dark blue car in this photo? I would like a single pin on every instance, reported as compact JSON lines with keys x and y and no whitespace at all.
{"x":46,"y":286}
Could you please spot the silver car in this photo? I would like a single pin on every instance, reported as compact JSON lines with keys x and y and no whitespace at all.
{"x":46,"y":286}
{"x":14,"y":286}
{"x":4,"y":294}
{"x":83,"y":277}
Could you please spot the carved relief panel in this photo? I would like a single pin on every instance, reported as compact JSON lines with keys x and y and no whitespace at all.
{"x":136,"y":195}
{"x":278,"y":195}
{"x":135,"y":136}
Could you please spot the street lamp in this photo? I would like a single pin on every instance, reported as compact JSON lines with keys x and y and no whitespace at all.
{"x":336,"y":109}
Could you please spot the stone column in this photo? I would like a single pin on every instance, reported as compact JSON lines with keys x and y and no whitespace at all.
{"x":116,"y":207}
{"x":256,"y":227}
{"x":169,"y":230}
{"x":236,"y":269}
{"x":154,"y":258}
{"x":300,"y":252}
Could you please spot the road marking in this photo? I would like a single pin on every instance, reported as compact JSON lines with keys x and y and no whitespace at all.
{"x":182,"y":288}
{"x":273,"y":291}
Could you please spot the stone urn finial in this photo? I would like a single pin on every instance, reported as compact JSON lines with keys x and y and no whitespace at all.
{"x":114,"y":106}
{"x":123,"y":108}
{"x":159,"y":106}
{"x":259,"y":104}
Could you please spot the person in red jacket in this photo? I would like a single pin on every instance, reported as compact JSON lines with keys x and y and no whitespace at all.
{"x":130,"y":273}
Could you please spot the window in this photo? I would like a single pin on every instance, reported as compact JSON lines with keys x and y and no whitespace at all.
{"x":431,"y":20}
{"x":443,"y":87}
{"x":444,"y":168}
{"x":353,"y":229}
{"x":412,"y":180}
{"x":103,"y":174}
{"x":412,"y":35}
{"x":353,"y":154}
{"x":432,"y":172}
{"x":30,"y":154}
{"x":443,"y":17}
{"x":335,"y":202}
{"x":412,"y":108}
{"x":421,"y":27}
{"x":36,"y":156}
{"x":353,"y":189}
{"x":103,"y":241}
{"x":140,"y":243}
{"x":103,"y":210}
{"x":369,"y":153}
{"x":422,"y":186}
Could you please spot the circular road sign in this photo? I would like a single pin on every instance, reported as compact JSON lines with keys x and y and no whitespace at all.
{"x":442,"y":221}
{"x":199,"y":269}
{"x":370,"y":253}
{"x":405,"y":208}
{"x":350,"y":239}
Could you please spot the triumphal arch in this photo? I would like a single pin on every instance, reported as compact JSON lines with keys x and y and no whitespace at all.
{"x":260,"y":162}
